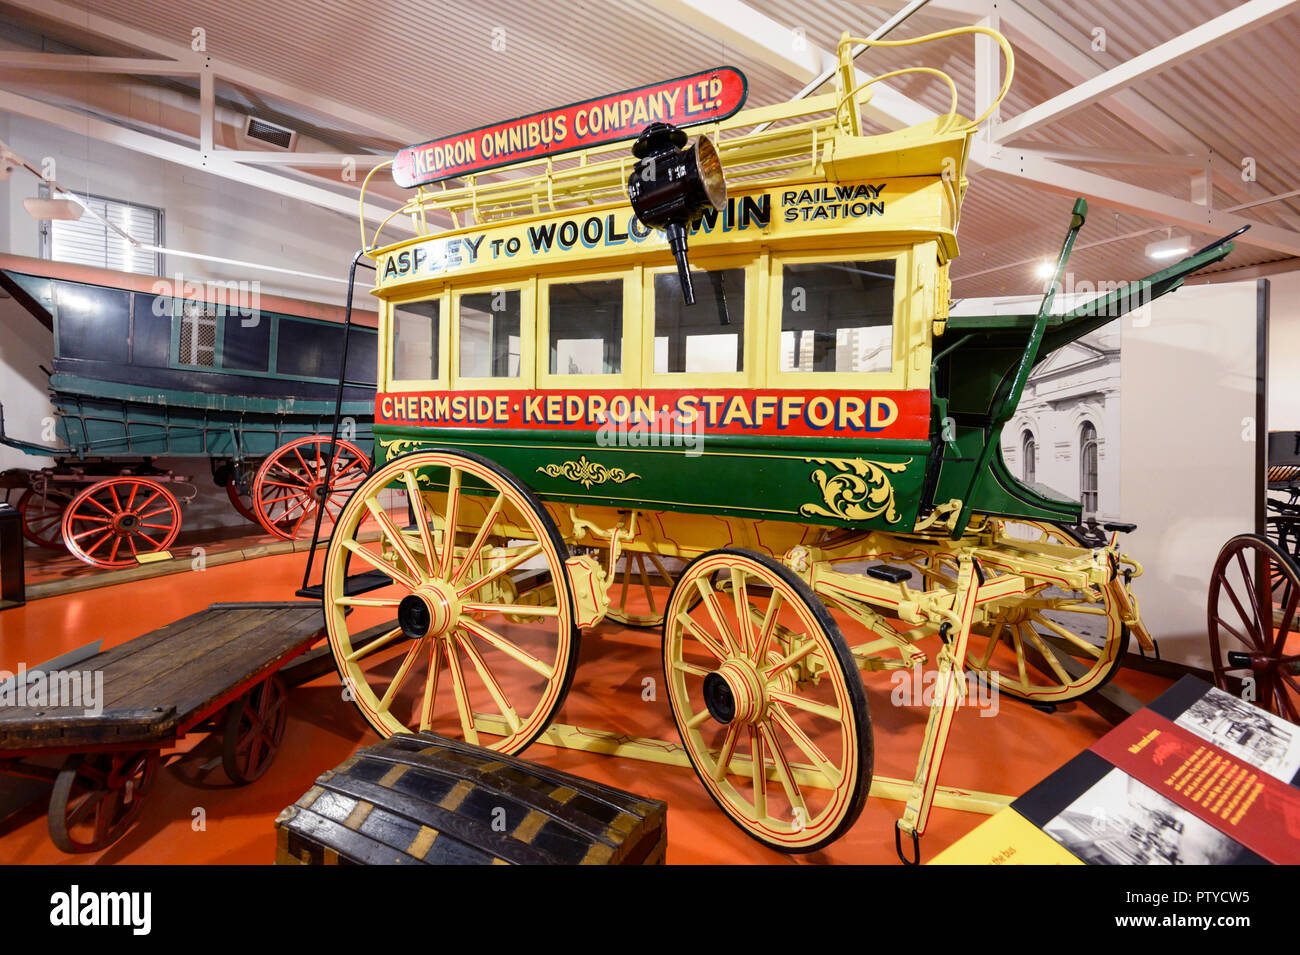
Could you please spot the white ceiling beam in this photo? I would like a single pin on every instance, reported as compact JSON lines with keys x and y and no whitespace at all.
{"x":207,"y":110}
{"x":1249,"y":16}
{"x":1042,"y":173}
{"x":744,"y":28}
{"x":79,"y":18}
{"x":76,"y":63}
{"x":753,"y":33}
{"x":257,"y":157}
{"x":1122,"y":157}
{"x":183,"y":155}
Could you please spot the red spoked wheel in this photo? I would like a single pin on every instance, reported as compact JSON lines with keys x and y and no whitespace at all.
{"x":299,"y":480}
{"x":253,"y":730}
{"x":111,"y":523}
{"x":1253,"y":625}
{"x":97,"y":797}
{"x":41,"y":512}
{"x":239,"y":488}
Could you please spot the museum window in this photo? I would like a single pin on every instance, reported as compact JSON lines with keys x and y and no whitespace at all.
{"x":585,"y":327}
{"x":708,"y":336}
{"x":490,"y":338}
{"x":89,"y":241}
{"x":1088,"y":468}
{"x":1029,"y":451}
{"x":837,"y":316}
{"x":416,"y":326}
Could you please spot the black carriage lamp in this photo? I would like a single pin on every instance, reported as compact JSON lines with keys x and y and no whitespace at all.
{"x":671,"y":187}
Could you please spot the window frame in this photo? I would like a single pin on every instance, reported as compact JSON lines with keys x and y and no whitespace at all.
{"x":755,"y":267}
{"x":895,"y":378}
{"x":45,"y":232}
{"x":630,"y":359}
{"x":1094,"y":491}
{"x":218,"y":343}
{"x":527,"y":289}
{"x":388,"y":340}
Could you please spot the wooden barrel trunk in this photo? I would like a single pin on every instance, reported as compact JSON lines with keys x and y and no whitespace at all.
{"x":424,"y":799}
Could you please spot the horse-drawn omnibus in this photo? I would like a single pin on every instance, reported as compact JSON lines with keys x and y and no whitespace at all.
{"x":797,"y":477}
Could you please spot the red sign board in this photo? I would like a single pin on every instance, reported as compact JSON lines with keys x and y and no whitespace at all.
{"x":884,"y":414}
{"x":686,"y":101}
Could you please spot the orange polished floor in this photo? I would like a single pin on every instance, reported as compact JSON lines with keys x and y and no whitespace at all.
{"x":1007,"y":753}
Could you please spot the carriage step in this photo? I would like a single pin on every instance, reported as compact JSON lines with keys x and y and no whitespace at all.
{"x":893,"y":575}
{"x":356,"y":584}
{"x":1121,"y":526}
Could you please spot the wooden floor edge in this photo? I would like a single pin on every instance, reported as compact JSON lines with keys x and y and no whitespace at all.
{"x":179,"y":565}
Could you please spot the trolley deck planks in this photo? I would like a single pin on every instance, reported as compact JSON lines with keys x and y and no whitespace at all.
{"x":219,"y":665}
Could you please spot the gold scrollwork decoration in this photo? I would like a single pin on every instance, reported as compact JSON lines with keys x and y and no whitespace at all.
{"x":860,"y":491}
{"x":395,"y":446}
{"x":587,"y":473}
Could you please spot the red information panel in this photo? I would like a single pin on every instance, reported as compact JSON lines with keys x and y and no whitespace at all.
{"x":884,"y":414}
{"x":1256,"y":809}
{"x":688,"y":100}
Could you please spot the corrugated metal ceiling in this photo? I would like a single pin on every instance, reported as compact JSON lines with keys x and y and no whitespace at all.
{"x":433,"y":67}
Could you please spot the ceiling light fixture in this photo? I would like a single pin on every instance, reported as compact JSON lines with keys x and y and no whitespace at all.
{"x":1170,"y":248}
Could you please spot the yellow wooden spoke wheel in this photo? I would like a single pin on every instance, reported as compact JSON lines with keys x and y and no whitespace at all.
{"x":1055,"y":644}
{"x":639,"y":590}
{"x":767,"y":700}
{"x":447,"y":646}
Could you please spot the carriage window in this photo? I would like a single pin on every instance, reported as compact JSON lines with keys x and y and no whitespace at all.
{"x":308,"y":349}
{"x":838,"y":316}
{"x":586,"y":327}
{"x":415,"y":341}
{"x":151,"y":330}
{"x":489,"y":334}
{"x":246,"y":341}
{"x":93,"y":322}
{"x":198,"y":344}
{"x":708,"y":336}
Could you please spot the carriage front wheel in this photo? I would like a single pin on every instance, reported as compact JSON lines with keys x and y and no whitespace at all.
{"x":767,"y":699}
{"x":114,"y":521}
{"x":467,"y":610}
{"x":97,"y":797}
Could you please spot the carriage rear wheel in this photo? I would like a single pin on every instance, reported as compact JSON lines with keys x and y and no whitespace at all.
{"x":767,"y":700}
{"x":458,"y":651}
{"x":1252,"y":618}
{"x":253,"y":730}
{"x":1055,"y":644}
{"x":639,"y":591}
{"x":113,"y":522}
{"x":239,"y":488}
{"x":97,"y":797}
{"x":41,"y":512}
{"x":298,"y":480}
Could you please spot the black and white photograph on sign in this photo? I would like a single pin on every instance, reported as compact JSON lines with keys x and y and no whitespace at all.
{"x":1248,"y":732}
{"x":1120,"y":821}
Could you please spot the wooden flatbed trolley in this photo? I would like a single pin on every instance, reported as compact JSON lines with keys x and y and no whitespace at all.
{"x":215,"y":669}
{"x":797,"y":478}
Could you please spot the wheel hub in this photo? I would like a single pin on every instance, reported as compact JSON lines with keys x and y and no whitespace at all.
{"x":126,"y":523}
{"x":432,"y":610}
{"x":734,"y":692}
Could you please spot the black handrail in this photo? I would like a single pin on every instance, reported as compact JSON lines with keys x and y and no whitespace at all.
{"x":338,"y":416}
